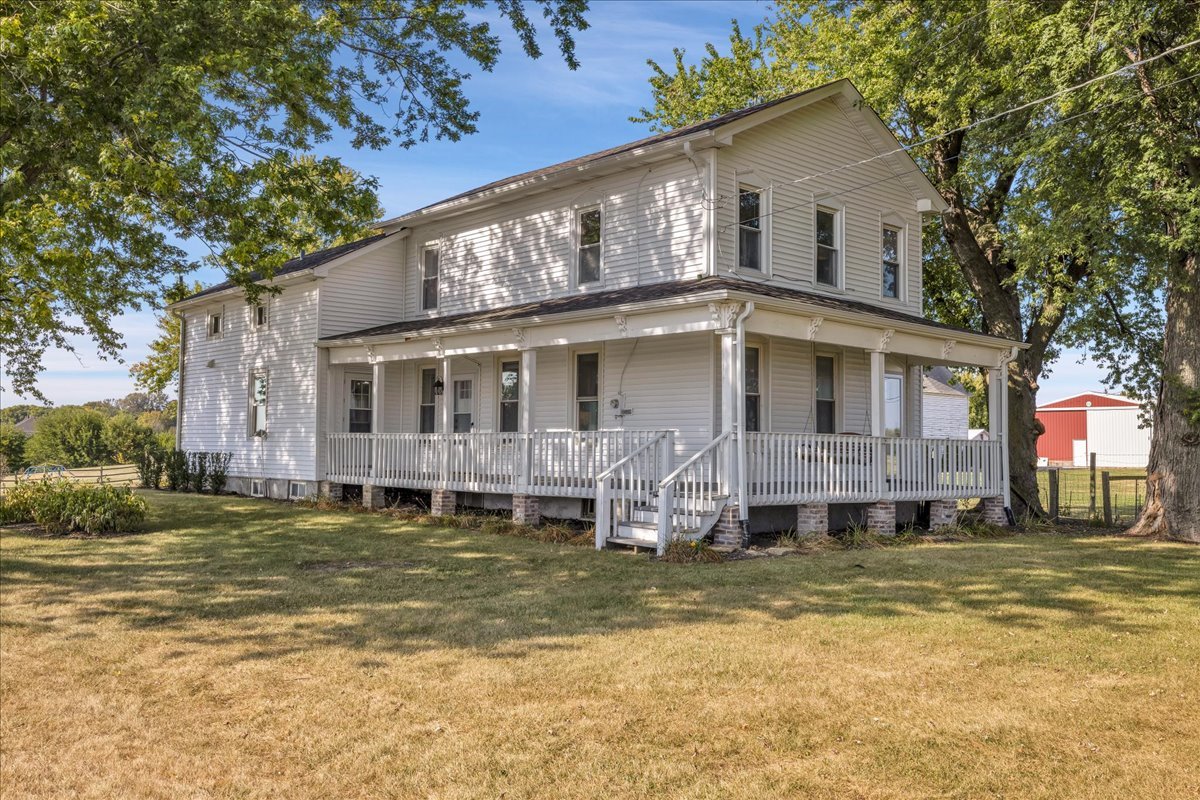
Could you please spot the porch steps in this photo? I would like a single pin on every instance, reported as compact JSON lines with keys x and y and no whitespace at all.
{"x":642,"y":530}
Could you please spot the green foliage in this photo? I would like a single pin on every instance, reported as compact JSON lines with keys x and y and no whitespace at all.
{"x":197,"y":471}
{"x":126,"y":438}
{"x":696,"y":551}
{"x":71,"y":436}
{"x":11,"y":415}
{"x":126,"y":126}
{"x":175,"y":468}
{"x":12,"y":449}
{"x":218,"y":471}
{"x":61,"y":507}
{"x":159,"y":370}
{"x":151,"y":463}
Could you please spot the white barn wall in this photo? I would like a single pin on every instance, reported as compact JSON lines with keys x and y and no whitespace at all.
{"x":1114,"y":436}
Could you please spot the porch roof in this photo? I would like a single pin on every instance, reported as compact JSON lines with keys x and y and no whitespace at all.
{"x":716,"y":286}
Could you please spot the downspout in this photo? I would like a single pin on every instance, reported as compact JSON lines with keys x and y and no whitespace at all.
{"x":740,"y":381}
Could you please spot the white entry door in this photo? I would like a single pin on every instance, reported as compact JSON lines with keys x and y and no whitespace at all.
{"x":464,"y":405}
{"x":1079,"y":452}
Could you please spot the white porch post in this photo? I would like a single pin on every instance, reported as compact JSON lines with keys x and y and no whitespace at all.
{"x":447,"y":419}
{"x":998,"y":421}
{"x":378,"y":371}
{"x":526,"y":395}
{"x":729,"y":383}
{"x":876,"y":392}
{"x":915,"y":402}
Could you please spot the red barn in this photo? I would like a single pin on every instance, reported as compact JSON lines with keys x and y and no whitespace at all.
{"x":1105,"y":424}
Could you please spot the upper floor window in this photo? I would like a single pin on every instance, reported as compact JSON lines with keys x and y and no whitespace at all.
{"x":587,"y":391}
{"x":510,"y":396}
{"x":753,"y":390}
{"x":216,"y":323}
{"x":828,"y":246}
{"x":430,"y":273}
{"x":750,"y":254}
{"x":261,"y":315}
{"x":590,"y":223}
{"x":890,"y":278}
{"x":826,"y":394}
{"x":258,"y":402}
{"x":427,"y":417}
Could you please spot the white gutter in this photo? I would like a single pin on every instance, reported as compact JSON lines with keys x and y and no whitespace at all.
{"x":739,"y":325}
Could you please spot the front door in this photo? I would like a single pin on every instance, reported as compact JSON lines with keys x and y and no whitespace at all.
{"x":358,"y":405}
{"x":464,"y":405}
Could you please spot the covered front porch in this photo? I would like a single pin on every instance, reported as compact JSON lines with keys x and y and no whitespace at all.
{"x":660,"y":422}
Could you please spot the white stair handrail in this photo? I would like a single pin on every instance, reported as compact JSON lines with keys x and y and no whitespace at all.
{"x":667,"y":487}
{"x":604,"y":485}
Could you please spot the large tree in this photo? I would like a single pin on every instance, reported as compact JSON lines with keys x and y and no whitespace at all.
{"x":128,"y":125}
{"x":1026,"y":248}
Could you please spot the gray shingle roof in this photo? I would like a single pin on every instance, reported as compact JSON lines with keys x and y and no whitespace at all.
{"x":306,"y":261}
{"x":637,"y":294}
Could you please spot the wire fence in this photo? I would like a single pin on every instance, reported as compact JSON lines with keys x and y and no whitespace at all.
{"x":1114,"y":495}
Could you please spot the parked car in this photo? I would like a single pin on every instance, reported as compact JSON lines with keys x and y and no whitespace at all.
{"x":45,"y":471}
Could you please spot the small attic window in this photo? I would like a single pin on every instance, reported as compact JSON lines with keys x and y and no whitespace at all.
{"x":215,"y":324}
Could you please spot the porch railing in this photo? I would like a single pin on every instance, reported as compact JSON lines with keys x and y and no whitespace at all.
{"x":631,"y":483}
{"x":786,"y":468}
{"x":690,"y":498}
{"x":548,"y":463}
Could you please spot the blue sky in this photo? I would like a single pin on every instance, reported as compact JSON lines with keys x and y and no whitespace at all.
{"x":533,"y":113}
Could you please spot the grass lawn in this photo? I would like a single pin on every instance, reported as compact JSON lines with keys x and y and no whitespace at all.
{"x":247,"y":649}
{"x":1074,"y":492}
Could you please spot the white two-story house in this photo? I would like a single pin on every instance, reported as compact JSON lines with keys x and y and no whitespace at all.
{"x":714,"y":329}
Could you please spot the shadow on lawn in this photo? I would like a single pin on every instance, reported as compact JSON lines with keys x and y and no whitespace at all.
{"x":233,"y":572}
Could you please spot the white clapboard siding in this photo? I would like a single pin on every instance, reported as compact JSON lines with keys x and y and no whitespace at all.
{"x":944,"y":416}
{"x":215,"y":413}
{"x":521,"y":251}
{"x":365,"y":290}
{"x":802,"y":144}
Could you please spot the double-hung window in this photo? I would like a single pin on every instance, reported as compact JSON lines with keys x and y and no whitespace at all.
{"x":215,"y":324}
{"x":431,"y":269}
{"x":258,"y":402}
{"x":890,"y":278}
{"x":360,"y":406}
{"x":750,"y":254}
{"x":426,"y":422}
{"x":587,"y":391}
{"x":590,"y":225}
{"x":828,"y":261}
{"x":510,"y":396}
{"x":826,"y":395}
{"x":753,"y":391}
{"x":262,"y":315}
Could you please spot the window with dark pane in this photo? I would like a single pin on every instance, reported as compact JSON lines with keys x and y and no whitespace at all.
{"x":827,"y":247}
{"x":590,"y":228}
{"x":891,"y":262}
{"x":587,"y":391}
{"x":360,"y":406}
{"x":826,"y":396}
{"x":510,"y":396}
{"x":750,"y":229}
{"x":753,"y":394}
{"x":427,"y":420}
{"x":430,"y":274}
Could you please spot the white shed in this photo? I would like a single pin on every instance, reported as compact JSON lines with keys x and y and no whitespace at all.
{"x":944,"y":406}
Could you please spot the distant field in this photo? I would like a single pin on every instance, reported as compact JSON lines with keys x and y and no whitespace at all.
{"x":121,"y":474}
{"x":1128,"y":497}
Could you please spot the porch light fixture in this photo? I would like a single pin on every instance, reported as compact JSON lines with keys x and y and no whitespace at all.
{"x":438,"y":387}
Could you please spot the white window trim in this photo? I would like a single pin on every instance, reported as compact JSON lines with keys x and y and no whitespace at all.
{"x":500,"y":360}
{"x":764,"y":228}
{"x":294,"y":484}
{"x":421,"y":369}
{"x":208,"y":318}
{"x":900,"y":376}
{"x":251,"y":405}
{"x":894,"y":222}
{"x":348,"y":399}
{"x":441,"y":251}
{"x":764,"y":382}
{"x":839,"y":234}
{"x":573,"y":392}
{"x":265,"y":304}
{"x":576,"y":234}
{"x":839,"y":406}
{"x":258,"y":487}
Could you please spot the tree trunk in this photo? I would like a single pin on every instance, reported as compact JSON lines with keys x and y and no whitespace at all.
{"x":1023,"y":432}
{"x":1173,"y":485}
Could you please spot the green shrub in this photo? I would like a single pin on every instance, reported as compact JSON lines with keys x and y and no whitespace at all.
{"x":127,"y":438}
{"x":12,"y":449}
{"x":71,"y":436}
{"x":151,"y":464}
{"x":64,"y":507}
{"x":176,"y":470}
{"x":197,"y":471}
{"x":218,"y":471}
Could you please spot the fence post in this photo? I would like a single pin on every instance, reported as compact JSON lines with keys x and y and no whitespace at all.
{"x":1052,"y":475}
{"x":1092,"y":486}
{"x":1106,"y":486}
